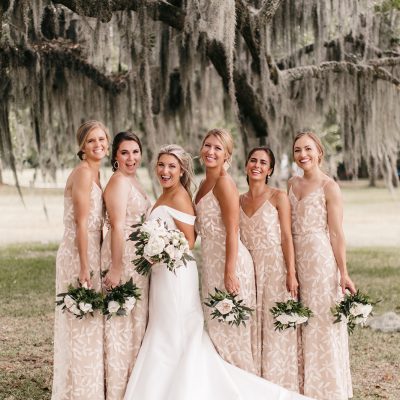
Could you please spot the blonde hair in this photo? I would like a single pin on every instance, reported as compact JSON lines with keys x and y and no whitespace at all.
{"x":314,"y":137}
{"x":224,"y":136}
{"x":83,"y":132}
{"x":185,"y":162}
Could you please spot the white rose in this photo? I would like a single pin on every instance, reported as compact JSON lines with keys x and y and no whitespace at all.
{"x":113,"y":307}
{"x":360,"y":320}
{"x":301,"y":320}
{"x":129,"y":303}
{"x":69,"y":301}
{"x":283,"y":319}
{"x":154,"y":246}
{"x":224,"y":306}
{"x":85,"y":285}
{"x":293,"y":318}
{"x":171,"y":251}
{"x":85,"y":307}
{"x":357,"y":309}
{"x":230,"y":318}
{"x":75,"y":310}
{"x":175,"y":242}
{"x":150,"y":227}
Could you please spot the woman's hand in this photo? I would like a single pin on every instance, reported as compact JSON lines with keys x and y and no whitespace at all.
{"x":84,"y":278}
{"x":292,"y":285}
{"x":232,"y":284}
{"x":347,"y":283}
{"x":112,"y":278}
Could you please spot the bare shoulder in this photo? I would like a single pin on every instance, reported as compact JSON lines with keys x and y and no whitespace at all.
{"x":279,"y":197}
{"x":225,"y":185}
{"x":331,"y":189}
{"x":117,"y":182}
{"x":292,"y":181}
{"x":181,"y":201}
{"x":81,"y":176}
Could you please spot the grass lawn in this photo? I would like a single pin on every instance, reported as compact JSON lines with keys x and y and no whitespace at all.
{"x":26,"y":322}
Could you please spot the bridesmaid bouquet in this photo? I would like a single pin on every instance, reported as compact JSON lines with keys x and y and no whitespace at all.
{"x":290,"y":314}
{"x":80,"y":300}
{"x":225,"y":308}
{"x":155,"y":243}
{"x":121,"y":299}
{"x":354,"y":309}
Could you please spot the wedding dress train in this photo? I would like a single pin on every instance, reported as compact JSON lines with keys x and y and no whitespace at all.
{"x":177,"y":360}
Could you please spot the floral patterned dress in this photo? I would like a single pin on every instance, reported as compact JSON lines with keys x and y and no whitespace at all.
{"x":124,"y":335}
{"x":237,"y":345}
{"x":78,"y":344}
{"x":277,"y":351}
{"x":324,"y":344}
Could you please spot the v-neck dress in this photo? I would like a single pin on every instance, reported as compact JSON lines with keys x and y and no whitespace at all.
{"x":123,"y":335}
{"x":277,"y":351}
{"x":237,"y":345}
{"x":324,"y":344}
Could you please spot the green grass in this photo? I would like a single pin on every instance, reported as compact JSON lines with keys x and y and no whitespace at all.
{"x":27,"y":274}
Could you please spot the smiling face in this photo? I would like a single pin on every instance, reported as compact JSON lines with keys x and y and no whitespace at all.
{"x":213,"y":153}
{"x":306,"y":153}
{"x":258,"y":167}
{"x":168,"y":171}
{"x":96,"y":144}
{"x":128,"y":156}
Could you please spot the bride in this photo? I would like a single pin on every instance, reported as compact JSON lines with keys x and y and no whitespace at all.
{"x":177,"y":360}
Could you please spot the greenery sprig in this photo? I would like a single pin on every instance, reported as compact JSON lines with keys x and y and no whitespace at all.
{"x":226,"y":308}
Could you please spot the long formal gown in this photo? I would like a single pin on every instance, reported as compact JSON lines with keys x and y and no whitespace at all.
{"x":78,"y":344}
{"x":237,"y":345}
{"x":177,"y":360}
{"x":123,"y":335}
{"x":277,"y":353}
{"x":324,"y":344}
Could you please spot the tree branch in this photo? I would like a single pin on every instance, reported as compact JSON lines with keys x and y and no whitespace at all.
{"x":385,"y":62}
{"x":316,"y":71}
{"x":158,"y":10}
{"x":65,"y":58}
{"x":268,"y":10}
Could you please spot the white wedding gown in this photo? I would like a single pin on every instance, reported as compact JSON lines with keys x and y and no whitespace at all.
{"x":177,"y":360}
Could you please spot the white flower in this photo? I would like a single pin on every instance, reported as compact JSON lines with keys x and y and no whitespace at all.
{"x":360,"y":320}
{"x":129,"y":303}
{"x":151,"y":227}
{"x":171,"y":250}
{"x":85,"y":285}
{"x":284,"y":319}
{"x":175,"y":242}
{"x":301,"y":320}
{"x":154,"y":246}
{"x":225,"y":306}
{"x":357,"y":309}
{"x":85,"y":307}
{"x":75,"y":310}
{"x":230,"y":317}
{"x":113,"y":307}
{"x":69,"y":301}
{"x":293,"y":318}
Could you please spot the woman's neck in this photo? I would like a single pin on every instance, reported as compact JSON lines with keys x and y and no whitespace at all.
{"x":313,"y":174}
{"x":257,"y":189}
{"x":212,"y":174}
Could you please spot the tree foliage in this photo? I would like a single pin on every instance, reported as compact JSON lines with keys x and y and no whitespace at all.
{"x":172,"y":69}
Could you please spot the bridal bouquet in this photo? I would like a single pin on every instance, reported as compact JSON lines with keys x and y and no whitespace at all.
{"x":155,"y":243}
{"x":80,"y":300}
{"x":121,"y":299}
{"x":290,"y":314}
{"x":354,"y":309}
{"x":225,"y":308}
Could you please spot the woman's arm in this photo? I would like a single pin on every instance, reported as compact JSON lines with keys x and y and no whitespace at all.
{"x":80,"y":191}
{"x":334,"y":206}
{"x":228,"y":197}
{"x":116,"y":199}
{"x":284,"y":213}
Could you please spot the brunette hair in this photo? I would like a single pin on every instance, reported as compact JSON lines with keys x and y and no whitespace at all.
{"x":270,"y":155}
{"x":185,"y":162}
{"x":118,"y":139}
{"x":225,"y":137}
{"x":83,"y":132}
{"x":314,"y":137}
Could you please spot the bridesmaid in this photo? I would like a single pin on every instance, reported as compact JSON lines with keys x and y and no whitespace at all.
{"x":226,"y":263}
{"x":320,"y":252}
{"x":265,"y":230}
{"x":126,"y":202}
{"x":78,"y":344}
